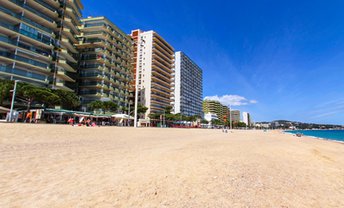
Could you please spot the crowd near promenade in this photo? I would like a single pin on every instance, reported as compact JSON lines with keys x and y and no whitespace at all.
{"x":63,"y":166}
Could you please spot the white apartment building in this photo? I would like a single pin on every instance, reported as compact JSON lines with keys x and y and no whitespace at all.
{"x":188,"y":89}
{"x":154,"y":70}
{"x":246,"y":118}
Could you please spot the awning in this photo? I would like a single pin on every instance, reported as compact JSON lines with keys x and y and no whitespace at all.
{"x":62,"y":111}
{"x":4,"y":110}
{"x":122,"y":116}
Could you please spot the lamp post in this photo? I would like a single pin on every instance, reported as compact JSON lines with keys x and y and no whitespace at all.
{"x":13,"y":99}
{"x":129,"y":113}
{"x":230,"y":117}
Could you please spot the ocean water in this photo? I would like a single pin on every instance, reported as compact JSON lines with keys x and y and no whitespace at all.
{"x":337,"y":135}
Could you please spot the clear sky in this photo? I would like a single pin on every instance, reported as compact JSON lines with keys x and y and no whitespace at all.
{"x":275,"y":59}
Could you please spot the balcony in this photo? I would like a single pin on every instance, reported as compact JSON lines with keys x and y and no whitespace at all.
{"x":43,"y":7}
{"x":13,"y":31}
{"x":160,"y":70}
{"x":71,"y":24}
{"x":64,"y":76}
{"x":69,"y":34}
{"x":162,"y":43}
{"x":73,"y":15}
{"x":67,"y":56}
{"x":17,"y":18}
{"x":95,"y":76}
{"x":62,"y":85}
{"x":75,"y":7}
{"x":66,"y":66}
{"x":13,"y":44}
{"x":23,"y":74}
{"x":161,"y":76}
{"x":23,"y":61}
{"x":66,"y":43}
{"x":31,"y":12}
{"x":162,"y":60}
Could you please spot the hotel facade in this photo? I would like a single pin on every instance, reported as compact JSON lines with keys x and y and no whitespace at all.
{"x":105,"y":69}
{"x":154,"y":71}
{"x":188,"y":89}
{"x":37,"y":42}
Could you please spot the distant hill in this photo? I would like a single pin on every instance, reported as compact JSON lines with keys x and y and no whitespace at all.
{"x":285,"y":124}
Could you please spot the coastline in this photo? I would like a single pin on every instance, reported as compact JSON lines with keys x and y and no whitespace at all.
{"x":314,"y":137}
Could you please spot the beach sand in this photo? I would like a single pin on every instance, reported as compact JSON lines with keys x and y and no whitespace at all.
{"x":64,"y":166}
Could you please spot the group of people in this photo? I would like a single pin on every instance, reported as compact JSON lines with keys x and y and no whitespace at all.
{"x":82,"y":122}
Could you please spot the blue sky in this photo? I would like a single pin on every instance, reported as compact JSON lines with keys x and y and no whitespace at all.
{"x":274,"y":59}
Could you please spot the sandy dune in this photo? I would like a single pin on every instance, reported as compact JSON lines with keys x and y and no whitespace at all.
{"x":64,"y":166}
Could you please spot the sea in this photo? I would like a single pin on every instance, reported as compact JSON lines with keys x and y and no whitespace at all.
{"x":336,"y":135}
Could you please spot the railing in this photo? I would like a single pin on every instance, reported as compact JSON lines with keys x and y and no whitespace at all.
{"x":90,"y":92}
{"x":7,"y":40}
{"x":34,"y":36}
{"x":23,"y":59}
{"x":90,"y":84}
{"x":21,"y":45}
{"x":8,"y":26}
{"x":25,"y":19}
{"x":75,"y":14}
{"x":91,"y":75}
{"x":94,"y":24}
{"x":162,"y":90}
{"x":23,"y":73}
{"x":38,"y":13}
{"x":45,"y":5}
{"x":33,"y":49}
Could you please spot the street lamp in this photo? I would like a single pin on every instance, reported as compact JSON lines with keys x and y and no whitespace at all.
{"x":129,"y":103}
{"x":230,"y":117}
{"x":13,"y":99}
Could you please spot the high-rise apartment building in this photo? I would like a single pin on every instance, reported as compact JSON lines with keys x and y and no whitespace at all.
{"x":105,"y":62}
{"x":154,"y":70}
{"x":215,"y":107}
{"x":37,"y":39}
{"x":246,"y":118}
{"x":235,"y":115}
{"x":188,"y":89}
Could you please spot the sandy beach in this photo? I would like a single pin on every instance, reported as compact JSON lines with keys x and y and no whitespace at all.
{"x":64,"y":166}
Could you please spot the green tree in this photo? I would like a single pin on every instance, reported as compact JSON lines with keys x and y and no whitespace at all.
{"x":204,"y":121}
{"x":154,"y":116}
{"x":104,"y":106}
{"x":241,"y":124}
{"x":5,"y":87}
{"x":141,"y":109}
{"x":38,"y":95}
{"x":217,"y":122}
{"x":69,"y":100}
{"x":168,"y":109}
{"x":109,"y":106}
{"x":171,"y":117}
{"x":97,"y":104}
{"x":125,"y":109}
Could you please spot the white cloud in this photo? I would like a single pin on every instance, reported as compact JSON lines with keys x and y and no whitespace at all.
{"x":231,"y":100}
